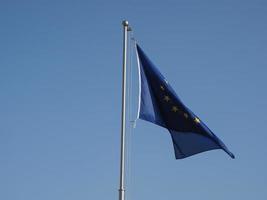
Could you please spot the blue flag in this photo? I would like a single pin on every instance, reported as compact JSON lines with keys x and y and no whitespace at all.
{"x":160,"y":105}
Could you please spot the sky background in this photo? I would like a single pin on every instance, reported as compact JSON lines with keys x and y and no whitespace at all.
{"x":60,"y":98}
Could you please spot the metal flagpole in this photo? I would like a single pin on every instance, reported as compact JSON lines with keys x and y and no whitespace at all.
{"x":126,"y":28}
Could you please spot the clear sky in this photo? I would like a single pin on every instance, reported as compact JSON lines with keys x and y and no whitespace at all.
{"x":60,"y":98}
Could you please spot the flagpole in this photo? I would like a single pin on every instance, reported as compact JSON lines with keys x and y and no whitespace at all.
{"x":126,"y":28}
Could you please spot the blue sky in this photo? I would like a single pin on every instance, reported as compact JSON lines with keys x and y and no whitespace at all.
{"x":60,"y":83}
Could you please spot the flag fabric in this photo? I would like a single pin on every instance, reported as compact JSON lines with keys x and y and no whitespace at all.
{"x":160,"y":105}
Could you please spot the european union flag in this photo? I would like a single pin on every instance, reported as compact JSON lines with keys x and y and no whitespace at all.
{"x":160,"y":105}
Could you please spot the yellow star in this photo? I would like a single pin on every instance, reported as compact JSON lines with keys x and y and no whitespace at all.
{"x":174,"y":109}
{"x":186,"y":115}
{"x":196,"y":120}
{"x":162,"y":88}
{"x":166,"y":98}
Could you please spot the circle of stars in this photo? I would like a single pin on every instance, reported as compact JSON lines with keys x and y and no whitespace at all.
{"x":175,"y":109}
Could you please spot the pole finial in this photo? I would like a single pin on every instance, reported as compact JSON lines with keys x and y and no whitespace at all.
{"x":125,"y":23}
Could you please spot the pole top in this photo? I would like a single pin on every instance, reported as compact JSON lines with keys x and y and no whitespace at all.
{"x":125,"y":23}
